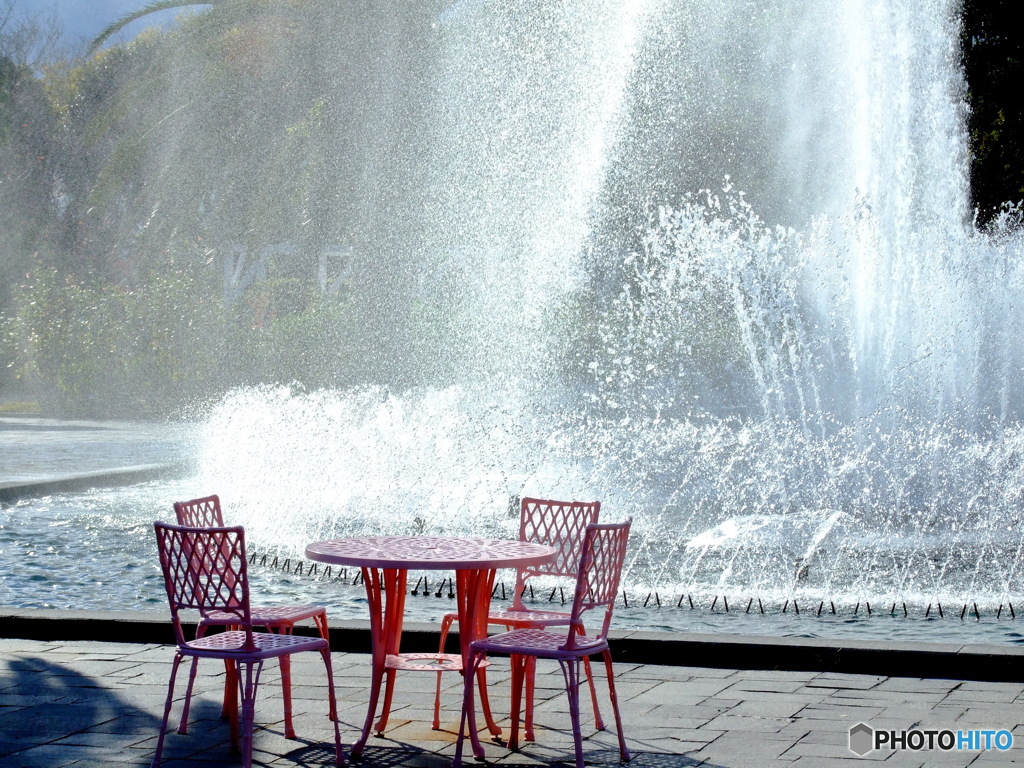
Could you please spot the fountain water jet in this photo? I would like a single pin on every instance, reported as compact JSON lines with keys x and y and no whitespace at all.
{"x":799,"y":384}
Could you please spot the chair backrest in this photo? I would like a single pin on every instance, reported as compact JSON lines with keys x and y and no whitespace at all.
{"x":205,"y":569}
{"x":559,"y":524}
{"x":604,"y":552}
{"x":200,"y":513}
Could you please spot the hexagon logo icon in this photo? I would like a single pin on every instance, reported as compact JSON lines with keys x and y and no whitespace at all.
{"x":862,"y":737}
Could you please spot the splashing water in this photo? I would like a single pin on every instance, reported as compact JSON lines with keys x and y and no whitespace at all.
{"x":804,"y":382}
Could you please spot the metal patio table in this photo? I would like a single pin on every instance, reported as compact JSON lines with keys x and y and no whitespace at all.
{"x":385,"y":562}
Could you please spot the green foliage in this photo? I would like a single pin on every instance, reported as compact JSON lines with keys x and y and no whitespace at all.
{"x":90,"y":348}
{"x":310,"y":346}
{"x":8,"y":77}
{"x":27,"y":157}
{"x":104,"y":350}
{"x":993,"y":51}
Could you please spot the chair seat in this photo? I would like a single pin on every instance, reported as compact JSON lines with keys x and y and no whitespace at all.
{"x":527,"y":618}
{"x":268,"y":615}
{"x":537,"y":642}
{"x":268,"y":645}
{"x":424,"y":662}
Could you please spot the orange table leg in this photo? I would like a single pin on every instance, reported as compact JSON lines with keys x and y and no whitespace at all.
{"x":231,"y":702}
{"x":385,"y":592}
{"x":473,"y":596}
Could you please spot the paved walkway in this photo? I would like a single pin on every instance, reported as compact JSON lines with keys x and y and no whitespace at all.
{"x":99,"y":704}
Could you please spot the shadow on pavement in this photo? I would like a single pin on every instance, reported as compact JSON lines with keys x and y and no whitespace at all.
{"x":51,"y":715}
{"x":408,"y":756}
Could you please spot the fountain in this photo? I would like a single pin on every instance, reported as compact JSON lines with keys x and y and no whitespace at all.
{"x":712,"y":263}
{"x":709,"y":263}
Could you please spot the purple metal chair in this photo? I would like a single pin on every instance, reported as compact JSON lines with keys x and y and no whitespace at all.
{"x":600,"y":567}
{"x":205,"y":512}
{"x":560,"y":524}
{"x":205,"y":569}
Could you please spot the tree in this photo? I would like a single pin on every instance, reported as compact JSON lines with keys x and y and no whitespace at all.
{"x":993,"y":53}
{"x":26,"y":142}
{"x":117,"y":26}
{"x":29,"y":41}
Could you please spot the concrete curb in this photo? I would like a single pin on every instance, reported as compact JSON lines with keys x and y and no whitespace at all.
{"x":12,"y":491}
{"x":990,"y":663}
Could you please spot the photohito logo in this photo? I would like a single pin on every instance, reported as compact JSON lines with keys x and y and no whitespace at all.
{"x":865,"y":739}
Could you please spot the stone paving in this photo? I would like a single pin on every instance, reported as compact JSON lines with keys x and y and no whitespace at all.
{"x":98,"y":704}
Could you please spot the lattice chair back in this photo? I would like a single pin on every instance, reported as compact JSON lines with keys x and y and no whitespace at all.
{"x":559,"y":524}
{"x":205,"y":569}
{"x":200,"y":513}
{"x":604,"y":553}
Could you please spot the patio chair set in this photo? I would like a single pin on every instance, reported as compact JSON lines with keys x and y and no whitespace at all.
{"x":205,"y":569}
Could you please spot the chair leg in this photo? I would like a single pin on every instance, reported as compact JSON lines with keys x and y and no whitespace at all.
{"x":325,"y":632}
{"x":389,"y":690}
{"x":485,"y":703}
{"x":571,"y":672}
{"x":230,"y":701}
{"x":333,"y":704}
{"x":623,"y":751}
{"x":231,"y":689}
{"x":183,"y":723}
{"x":286,"y":694}
{"x":286,"y":682}
{"x":167,"y":710}
{"x":249,"y":678}
{"x":286,"y":678}
{"x":376,"y":674}
{"x":598,"y":722}
{"x":519,"y":665}
{"x":531,"y":674}
{"x":446,"y":624}
{"x":467,"y":720}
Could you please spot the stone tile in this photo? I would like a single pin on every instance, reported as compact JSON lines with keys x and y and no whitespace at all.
{"x":674,"y":725}
{"x":918,"y":685}
{"x":11,"y":645}
{"x":1004,"y":695}
{"x":834,"y":751}
{"x":748,"y":685}
{"x":739,"y":723}
{"x":877,"y":694}
{"x":782,"y":707}
{"x":839,"y":715}
{"x":844,"y":682}
{"x":651,"y":672}
{"x":111,"y":739}
{"x":740,"y":747}
{"x":994,"y":758}
{"x":48,"y":756}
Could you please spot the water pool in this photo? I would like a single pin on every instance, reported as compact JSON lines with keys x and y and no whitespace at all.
{"x":95,"y":550}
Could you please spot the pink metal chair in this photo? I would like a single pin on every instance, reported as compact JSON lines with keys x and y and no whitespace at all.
{"x":600,"y":567}
{"x":206,"y":513}
{"x":205,"y":569}
{"x":560,"y":524}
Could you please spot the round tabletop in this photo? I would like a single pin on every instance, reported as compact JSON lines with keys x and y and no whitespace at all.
{"x":429,"y":552}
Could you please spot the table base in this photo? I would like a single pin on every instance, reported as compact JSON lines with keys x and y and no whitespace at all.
{"x":385,"y":592}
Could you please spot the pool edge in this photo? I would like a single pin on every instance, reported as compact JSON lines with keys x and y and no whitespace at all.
{"x":12,"y":491}
{"x":990,"y":663}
